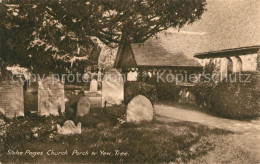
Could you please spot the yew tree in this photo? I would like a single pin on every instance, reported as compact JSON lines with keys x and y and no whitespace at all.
{"x":61,"y":35}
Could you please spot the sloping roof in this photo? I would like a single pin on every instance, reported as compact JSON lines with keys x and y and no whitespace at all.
{"x":226,"y":24}
{"x":229,"y":52}
{"x":152,"y":54}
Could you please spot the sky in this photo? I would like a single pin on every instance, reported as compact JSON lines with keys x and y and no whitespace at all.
{"x":226,"y":24}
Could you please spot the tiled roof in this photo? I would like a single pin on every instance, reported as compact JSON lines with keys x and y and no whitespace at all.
{"x":152,"y":53}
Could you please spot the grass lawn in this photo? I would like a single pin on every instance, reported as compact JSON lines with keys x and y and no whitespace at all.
{"x":104,"y":139}
{"x":238,"y":148}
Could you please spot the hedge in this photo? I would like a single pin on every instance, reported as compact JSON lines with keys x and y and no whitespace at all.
{"x":134,"y":88}
{"x":206,"y":84}
{"x":166,"y":91}
{"x":235,"y":98}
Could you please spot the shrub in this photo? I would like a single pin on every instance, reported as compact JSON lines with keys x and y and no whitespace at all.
{"x":205,"y":86}
{"x":134,"y":88}
{"x":166,"y":91}
{"x":202,"y":92}
{"x":235,"y":98}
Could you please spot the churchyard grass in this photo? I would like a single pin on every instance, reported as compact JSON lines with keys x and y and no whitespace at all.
{"x":106,"y":138}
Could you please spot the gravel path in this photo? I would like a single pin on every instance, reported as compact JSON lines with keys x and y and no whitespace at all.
{"x":186,"y":114}
{"x":241,"y":147}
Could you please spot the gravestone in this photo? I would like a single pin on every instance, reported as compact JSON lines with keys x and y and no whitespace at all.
{"x":83,"y":106}
{"x":139,"y":109}
{"x":132,"y":76}
{"x":51,"y":96}
{"x":112,"y":88}
{"x":69,"y":128}
{"x":12,"y":98}
{"x":93,"y":85}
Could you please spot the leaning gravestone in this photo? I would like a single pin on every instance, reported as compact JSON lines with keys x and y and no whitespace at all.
{"x":139,"y":109}
{"x":51,"y":97}
{"x":93,"y":86}
{"x":83,"y":106}
{"x":12,"y":98}
{"x":112,"y":88}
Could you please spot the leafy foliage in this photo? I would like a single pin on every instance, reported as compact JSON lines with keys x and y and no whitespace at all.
{"x":166,"y":91}
{"x":134,"y":88}
{"x":33,"y":37}
{"x":206,"y":84}
{"x":48,"y":34}
{"x":237,"y":97}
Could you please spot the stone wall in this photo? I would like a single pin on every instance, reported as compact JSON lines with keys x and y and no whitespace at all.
{"x":249,"y":62}
{"x":242,"y":62}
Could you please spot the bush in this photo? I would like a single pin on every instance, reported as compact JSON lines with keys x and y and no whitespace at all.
{"x":134,"y":88}
{"x":235,"y":98}
{"x":205,"y":86}
{"x":166,"y":91}
{"x":202,"y":92}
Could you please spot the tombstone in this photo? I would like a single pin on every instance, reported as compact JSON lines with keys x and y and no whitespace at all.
{"x":12,"y":98}
{"x":51,"y":96}
{"x":69,"y":128}
{"x":132,"y":76}
{"x":83,"y":106}
{"x":112,"y":88}
{"x":139,"y":109}
{"x":93,"y":85}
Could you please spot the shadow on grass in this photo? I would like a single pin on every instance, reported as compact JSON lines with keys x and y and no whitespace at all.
{"x":105,"y":139}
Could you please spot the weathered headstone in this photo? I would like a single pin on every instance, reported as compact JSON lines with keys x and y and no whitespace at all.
{"x":132,"y":76}
{"x":93,"y":85}
{"x":12,"y":98}
{"x":83,"y":106}
{"x":139,"y":109}
{"x":51,"y":97}
{"x":69,"y":128}
{"x":112,"y":88}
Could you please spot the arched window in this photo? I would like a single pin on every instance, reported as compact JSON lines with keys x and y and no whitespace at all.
{"x":229,"y":66}
{"x":239,"y":64}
